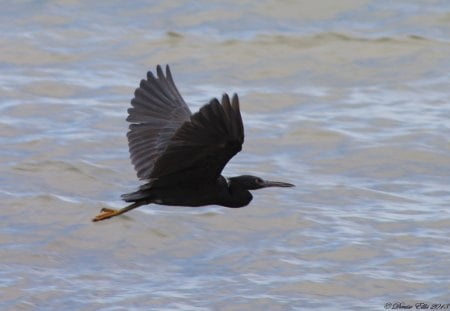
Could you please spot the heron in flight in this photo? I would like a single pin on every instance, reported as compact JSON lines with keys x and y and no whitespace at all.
{"x":181,"y":155}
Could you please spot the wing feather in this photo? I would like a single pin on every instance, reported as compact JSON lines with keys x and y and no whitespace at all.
{"x":169,"y":144}
{"x":201,"y":147}
{"x":157,"y":111}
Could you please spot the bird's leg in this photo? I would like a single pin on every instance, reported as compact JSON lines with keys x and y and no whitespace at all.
{"x":109,"y":212}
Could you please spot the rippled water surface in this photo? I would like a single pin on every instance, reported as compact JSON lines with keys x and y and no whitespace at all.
{"x":349,"y":100}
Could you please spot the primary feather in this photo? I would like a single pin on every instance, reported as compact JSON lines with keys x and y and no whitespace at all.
{"x":158,"y":110}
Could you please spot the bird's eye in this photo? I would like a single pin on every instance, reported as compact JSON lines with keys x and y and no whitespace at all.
{"x":258,"y":180}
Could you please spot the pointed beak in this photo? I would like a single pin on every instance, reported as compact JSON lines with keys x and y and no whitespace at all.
{"x":268,"y":183}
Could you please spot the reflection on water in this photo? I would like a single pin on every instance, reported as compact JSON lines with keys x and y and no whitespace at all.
{"x":348,"y":101}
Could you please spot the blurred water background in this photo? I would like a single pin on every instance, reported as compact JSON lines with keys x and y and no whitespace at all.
{"x":348,"y":99}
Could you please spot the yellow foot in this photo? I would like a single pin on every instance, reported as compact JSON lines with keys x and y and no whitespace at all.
{"x":106,"y":213}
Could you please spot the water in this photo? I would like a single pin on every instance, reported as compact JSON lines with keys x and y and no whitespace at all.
{"x":348,"y":100}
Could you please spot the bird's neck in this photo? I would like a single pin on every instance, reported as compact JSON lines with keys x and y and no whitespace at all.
{"x":236,"y":196}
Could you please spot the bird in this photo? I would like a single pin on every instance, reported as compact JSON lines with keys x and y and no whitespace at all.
{"x":181,"y":155}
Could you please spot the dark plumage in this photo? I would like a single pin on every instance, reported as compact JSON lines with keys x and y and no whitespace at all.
{"x":181,"y":155}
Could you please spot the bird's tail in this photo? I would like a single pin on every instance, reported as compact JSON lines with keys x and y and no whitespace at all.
{"x":139,"y":195}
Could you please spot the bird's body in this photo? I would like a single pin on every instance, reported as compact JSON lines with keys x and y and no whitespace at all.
{"x":181,"y":155}
{"x":192,"y":194}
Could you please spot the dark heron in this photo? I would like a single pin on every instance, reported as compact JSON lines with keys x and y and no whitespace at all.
{"x":181,"y":155}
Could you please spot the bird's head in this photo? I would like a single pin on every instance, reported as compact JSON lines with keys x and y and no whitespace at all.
{"x":249,"y":182}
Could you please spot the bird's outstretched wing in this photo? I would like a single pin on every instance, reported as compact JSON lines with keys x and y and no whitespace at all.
{"x":201,"y":147}
{"x":157,"y":112}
